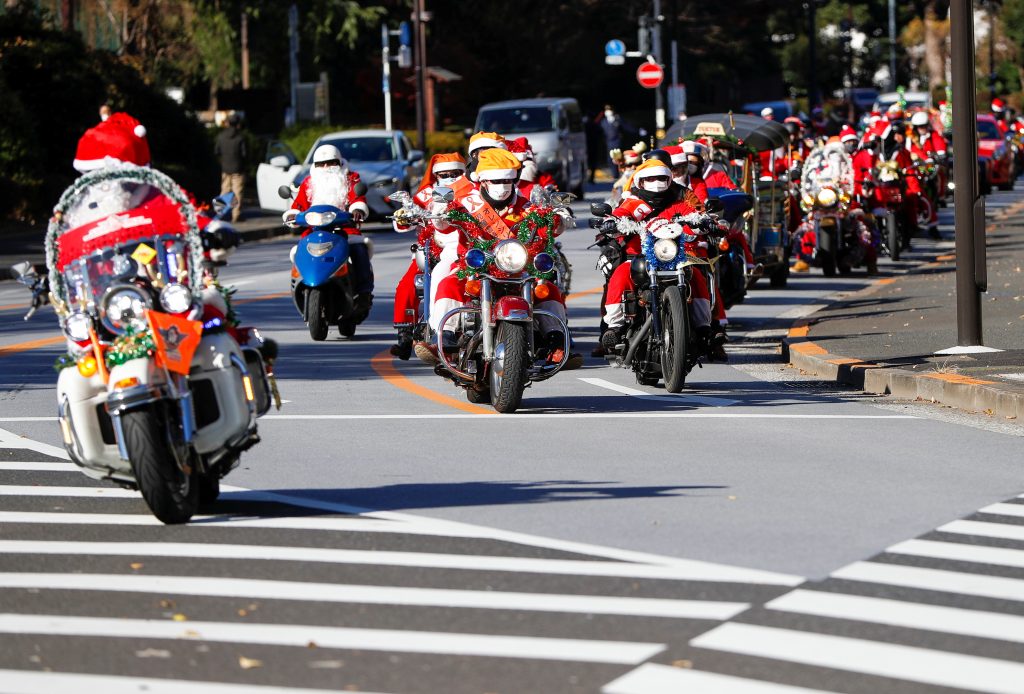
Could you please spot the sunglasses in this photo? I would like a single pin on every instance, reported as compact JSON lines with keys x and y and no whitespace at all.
{"x":329,"y":162}
{"x":448,"y":175}
{"x":658,"y":179}
{"x":500,"y":181}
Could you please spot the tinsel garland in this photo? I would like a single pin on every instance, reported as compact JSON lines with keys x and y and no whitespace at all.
{"x":128,"y":173}
{"x":536,"y":225}
{"x":131,"y":345}
{"x":64,"y":361}
{"x":227,"y":293}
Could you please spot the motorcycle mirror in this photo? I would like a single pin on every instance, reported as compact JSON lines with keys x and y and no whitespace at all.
{"x":600,"y":209}
{"x":442,"y":194}
{"x":399,"y":196}
{"x":21,"y":269}
{"x":360,"y":188}
{"x":714,"y":206}
{"x":285,"y":192}
{"x":595,"y":222}
{"x":537,"y":196}
{"x":562,"y":199}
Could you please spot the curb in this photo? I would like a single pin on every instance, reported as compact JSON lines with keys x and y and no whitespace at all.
{"x":955,"y":390}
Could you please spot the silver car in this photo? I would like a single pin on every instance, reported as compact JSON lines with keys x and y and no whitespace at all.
{"x":384,"y":160}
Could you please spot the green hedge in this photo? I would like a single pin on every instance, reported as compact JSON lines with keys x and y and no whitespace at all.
{"x":302,"y":136}
{"x":51,"y":87}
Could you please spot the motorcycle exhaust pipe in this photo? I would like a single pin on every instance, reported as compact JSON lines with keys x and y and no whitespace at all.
{"x":634,"y":344}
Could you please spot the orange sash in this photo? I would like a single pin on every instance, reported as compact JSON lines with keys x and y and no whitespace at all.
{"x":473,"y":202}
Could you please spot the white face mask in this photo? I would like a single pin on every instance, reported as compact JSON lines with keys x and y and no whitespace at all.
{"x":654,"y":186}
{"x":692,"y":169}
{"x":498,"y":191}
{"x":681,"y":180}
{"x":609,"y":115}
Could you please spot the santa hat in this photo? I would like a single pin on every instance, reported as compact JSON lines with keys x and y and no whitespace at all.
{"x":631,"y":157}
{"x":695,"y":148}
{"x":677,"y":154}
{"x":847,"y":133}
{"x":483,"y":139}
{"x":497,"y":164}
{"x":451,"y":161}
{"x":521,"y":148}
{"x":880,"y":129}
{"x":120,"y":138}
{"x":651,"y":167}
{"x":998,"y":105}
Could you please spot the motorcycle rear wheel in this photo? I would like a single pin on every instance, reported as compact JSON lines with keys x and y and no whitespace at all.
{"x":507,"y":373}
{"x":171,"y":495}
{"x":675,"y":334}
{"x":316,"y":315}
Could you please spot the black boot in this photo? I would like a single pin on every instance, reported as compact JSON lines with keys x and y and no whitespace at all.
{"x":403,"y":347}
{"x":610,"y":341}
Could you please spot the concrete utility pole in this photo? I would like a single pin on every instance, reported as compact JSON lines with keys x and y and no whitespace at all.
{"x":419,"y":21}
{"x":245,"y":48}
{"x":969,"y":210}
{"x":293,"y":63}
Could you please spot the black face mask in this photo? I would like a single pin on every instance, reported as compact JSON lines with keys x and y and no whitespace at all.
{"x":659,"y":201}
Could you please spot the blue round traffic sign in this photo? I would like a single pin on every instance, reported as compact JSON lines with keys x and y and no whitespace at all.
{"x":615,"y":47}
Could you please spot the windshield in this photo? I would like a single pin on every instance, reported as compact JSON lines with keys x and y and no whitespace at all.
{"x":987,"y":130}
{"x":515,"y":121}
{"x":361,"y":148}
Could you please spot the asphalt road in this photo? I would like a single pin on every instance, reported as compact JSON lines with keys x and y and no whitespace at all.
{"x":758,"y":533}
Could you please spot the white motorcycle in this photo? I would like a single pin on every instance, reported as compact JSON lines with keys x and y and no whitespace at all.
{"x":159,"y":390}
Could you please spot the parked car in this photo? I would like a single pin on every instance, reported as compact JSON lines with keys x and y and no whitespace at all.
{"x":384,"y":159}
{"x":915,"y":100}
{"x":554,"y":128}
{"x":995,"y":158}
{"x":781,"y":109}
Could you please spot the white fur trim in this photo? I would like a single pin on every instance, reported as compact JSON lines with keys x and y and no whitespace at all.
{"x":140,"y":131}
{"x":84,"y":165}
{"x":359,"y":206}
{"x":448,"y":166}
{"x":494,"y":174}
{"x":652,"y":171}
{"x":485,"y":142}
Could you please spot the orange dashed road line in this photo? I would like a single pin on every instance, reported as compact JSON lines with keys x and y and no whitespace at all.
{"x":30,"y":344}
{"x":264,"y":297}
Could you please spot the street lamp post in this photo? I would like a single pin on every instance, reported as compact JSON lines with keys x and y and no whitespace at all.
{"x":419,"y":21}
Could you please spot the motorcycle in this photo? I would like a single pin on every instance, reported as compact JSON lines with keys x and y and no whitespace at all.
{"x":499,"y":351}
{"x":320,"y":284}
{"x":159,"y":391}
{"x":730,"y":270}
{"x":37,"y":282}
{"x":216,"y":233}
{"x":885,"y":198}
{"x":659,"y":341}
{"x":826,"y":189}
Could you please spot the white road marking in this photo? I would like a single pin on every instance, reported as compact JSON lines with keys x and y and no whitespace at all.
{"x":23,"y":682}
{"x":463,"y":562}
{"x":652,"y":678}
{"x":107,"y":492}
{"x":377,"y":595}
{"x":1004,"y":531}
{"x":1016,"y":510}
{"x":940,"y":668}
{"x":11,"y":440}
{"x":897,"y":613}
{"x":669,"y":397}
{"x":39,"y":467}
{"x":433,"y":642}
{"x":554,"y":415}
{"x":955,"y":551}
{"x":934,"y":579}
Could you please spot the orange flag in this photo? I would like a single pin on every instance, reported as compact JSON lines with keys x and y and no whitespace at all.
{"x":176,"y":340}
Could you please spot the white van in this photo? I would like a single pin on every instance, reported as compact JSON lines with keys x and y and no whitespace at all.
{"x":555,"y":130}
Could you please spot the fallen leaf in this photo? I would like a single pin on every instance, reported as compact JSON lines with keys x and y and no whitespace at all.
{"x":249,"y":663}
{"x":327,"y":664}
{"x":685,"y":664}
{"x":732,"y":498}
{"x":153,"y":653}
{"x":179,"y":617}
{"x":242,"y":613}
{"x":167,"y":604}
{"x":312,"y":644}
{"x":191,"y":634}
{"x":136,"y":565}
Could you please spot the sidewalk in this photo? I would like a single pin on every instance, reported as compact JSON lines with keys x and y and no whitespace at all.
{"x":883,"y":339}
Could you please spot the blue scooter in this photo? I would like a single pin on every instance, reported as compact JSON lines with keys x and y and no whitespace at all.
{"x":321,"y":287}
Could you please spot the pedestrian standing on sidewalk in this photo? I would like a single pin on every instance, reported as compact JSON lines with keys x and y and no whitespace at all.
{"x":231,"y":151}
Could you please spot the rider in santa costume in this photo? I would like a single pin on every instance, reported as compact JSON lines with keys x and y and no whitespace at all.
{"x":654,"y":196}
{"x":529,"y":176}
{"x":443,"y":170}
{"x":496,"y":205}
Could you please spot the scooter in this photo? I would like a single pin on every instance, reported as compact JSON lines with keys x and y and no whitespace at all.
{"x":37,"y":283}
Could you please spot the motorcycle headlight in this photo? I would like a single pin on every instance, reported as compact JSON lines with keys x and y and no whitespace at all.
{"x":125,"y":307}
{"x":510,"y":255}
{"x":176,"y":298}
{"x":319,"y":219}
{"x":544,"y":262}
{"x":827,"y":197}
{"x":807,"y":200}
{"x":475,"y":258}
{"x":666,"y":250}
{"x":318,"y":249}
{"x":76,"y":326}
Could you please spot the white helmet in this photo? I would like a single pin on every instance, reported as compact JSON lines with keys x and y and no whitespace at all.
{"x":767,"y":112}
{"x":918,"y":119}
{"x":327,"y":153}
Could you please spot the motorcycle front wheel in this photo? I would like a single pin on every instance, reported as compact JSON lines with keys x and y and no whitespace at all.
{"x":892,"y":235}
{"x":508,"y":370}
{"x":171,"y":495}
{"x":316,"y":315}
{"x":675,"y":337}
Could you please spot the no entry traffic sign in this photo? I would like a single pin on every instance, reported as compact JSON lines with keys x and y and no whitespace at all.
{"x":650,"y":75}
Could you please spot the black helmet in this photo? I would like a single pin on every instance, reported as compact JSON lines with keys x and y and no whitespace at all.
{"x":661,"y":155}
